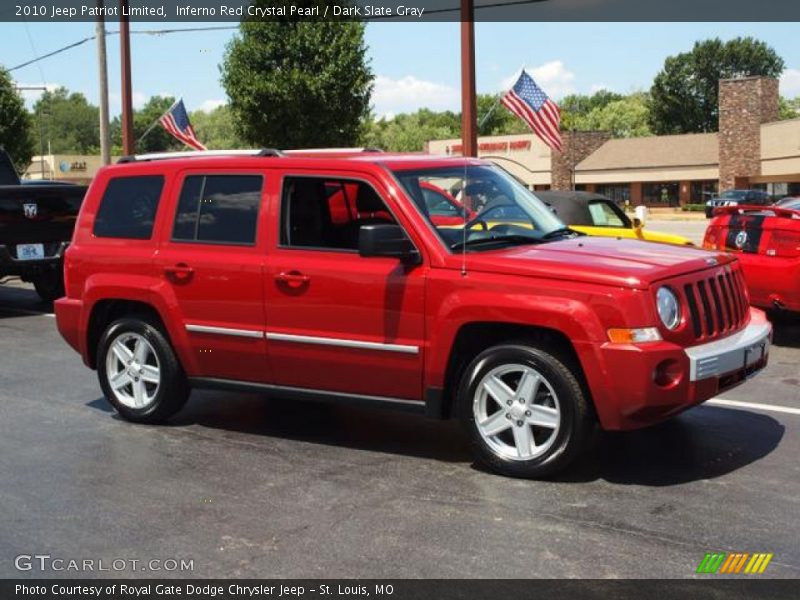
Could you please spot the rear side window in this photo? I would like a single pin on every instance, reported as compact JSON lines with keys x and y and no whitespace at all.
{"x":220,"y":209}
{"x":128,"y":207}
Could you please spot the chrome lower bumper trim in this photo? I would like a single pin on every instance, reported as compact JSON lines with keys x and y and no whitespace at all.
{"x":738,"y":351}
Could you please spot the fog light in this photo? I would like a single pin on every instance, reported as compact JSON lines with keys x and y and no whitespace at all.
{"x":667,"y":373}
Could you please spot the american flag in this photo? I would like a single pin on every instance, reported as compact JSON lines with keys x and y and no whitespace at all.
{"x":531,"y":104}
{"x":176,"y":122}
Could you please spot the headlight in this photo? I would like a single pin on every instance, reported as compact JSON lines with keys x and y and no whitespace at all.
{"x":669,"y":310}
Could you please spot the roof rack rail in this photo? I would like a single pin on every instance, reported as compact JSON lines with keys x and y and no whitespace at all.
{"x":332,"y":150}
{"x":199,"y":154}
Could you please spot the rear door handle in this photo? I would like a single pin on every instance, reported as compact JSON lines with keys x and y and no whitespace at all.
{"x":293,"y":279}
{"x":180,"y":273}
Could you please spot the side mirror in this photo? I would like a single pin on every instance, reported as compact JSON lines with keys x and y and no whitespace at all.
{"x":387,"y":241}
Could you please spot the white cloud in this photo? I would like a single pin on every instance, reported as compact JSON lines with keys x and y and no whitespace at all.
{"x":210,"y":105}
{"x":790,"y":83}
{"x":553,"y":77}
{"x":31,"y":96}
{"x":392,"y":96}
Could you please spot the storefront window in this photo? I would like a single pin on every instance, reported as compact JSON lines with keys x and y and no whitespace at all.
{"x":619,"y":193}
{"x":661,"y":194}
{"x":703,"y":190}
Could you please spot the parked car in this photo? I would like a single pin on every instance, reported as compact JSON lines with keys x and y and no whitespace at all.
{"x":788,"y":202}
{"x":36,"y":223}
{"x":736,"y":198}
{"x":229,"y":272}
{"x":594,"y":214}
{"x":767,"y":243}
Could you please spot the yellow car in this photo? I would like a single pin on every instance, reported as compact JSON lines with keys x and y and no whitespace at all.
{"x":594,"y":214}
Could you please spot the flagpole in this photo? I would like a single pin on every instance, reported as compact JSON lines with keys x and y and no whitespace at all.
{"x":156,"y":122}
{"x":496,"y":102}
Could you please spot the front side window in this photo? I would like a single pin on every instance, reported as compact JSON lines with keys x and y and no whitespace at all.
{"x":326,"y":213}
{"x":128,"y":207}
{"x":221,"y":209}
{"x":496,"y":209}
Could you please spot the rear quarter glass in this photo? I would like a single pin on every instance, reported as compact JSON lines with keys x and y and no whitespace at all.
{"x":128,"y":207}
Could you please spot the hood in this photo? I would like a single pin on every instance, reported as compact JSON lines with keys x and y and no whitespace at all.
{"x":605,"y":261}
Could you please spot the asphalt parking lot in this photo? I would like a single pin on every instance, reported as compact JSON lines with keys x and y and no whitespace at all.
{"x":248,"y":486}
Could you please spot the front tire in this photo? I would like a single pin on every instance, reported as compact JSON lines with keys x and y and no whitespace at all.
{"x":524,"y":410}
{"x":139,"y":372}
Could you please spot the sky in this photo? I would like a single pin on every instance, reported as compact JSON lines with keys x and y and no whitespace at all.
{"x":415,"y":64}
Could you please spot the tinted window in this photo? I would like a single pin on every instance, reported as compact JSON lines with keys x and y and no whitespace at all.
{"x":438,"y":204}
{"x":322,"y":213}
{"x":128,"y":208}
{"x":218,"y":209}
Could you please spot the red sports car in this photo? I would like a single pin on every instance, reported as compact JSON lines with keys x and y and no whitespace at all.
{"x":767,"y":242}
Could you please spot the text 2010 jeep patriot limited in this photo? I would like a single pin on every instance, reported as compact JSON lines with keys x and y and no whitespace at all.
{"x":322,"y":276}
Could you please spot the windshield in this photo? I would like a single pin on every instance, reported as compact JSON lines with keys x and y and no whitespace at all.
{"x":735,"y":194}
{"x":492,"y":208}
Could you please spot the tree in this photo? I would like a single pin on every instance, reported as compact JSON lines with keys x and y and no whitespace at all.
{"x":575,"y":107}
{"x":788,"y":109}
{"x":16,"y":127}
{"x":68,"y":122}
{"x":685,"y":93}
{"x":627,"y":117}
{"x":217,"y":129}
{"x":500,"y":121}
{"x":295,"y":84}
{"x":409,"y":132}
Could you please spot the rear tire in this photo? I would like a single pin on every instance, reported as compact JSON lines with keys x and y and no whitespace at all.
{"x":524,"y":410}
{"x":139,"y":372}
{"x":49,"y":285}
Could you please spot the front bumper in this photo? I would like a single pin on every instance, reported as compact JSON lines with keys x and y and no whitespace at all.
{"x":643,"y":384}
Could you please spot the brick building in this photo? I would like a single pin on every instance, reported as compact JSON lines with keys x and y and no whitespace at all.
{"x":752,"y":149}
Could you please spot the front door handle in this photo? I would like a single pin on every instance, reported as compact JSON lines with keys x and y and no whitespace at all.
{"x":180,"y":273}
{"x":293,"y":279}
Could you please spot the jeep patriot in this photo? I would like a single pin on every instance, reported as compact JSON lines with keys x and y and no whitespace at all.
{"x":323,"y":276}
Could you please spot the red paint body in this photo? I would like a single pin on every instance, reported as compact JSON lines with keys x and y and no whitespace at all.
{"x":769,"y":252}
{"x":579,"y":288}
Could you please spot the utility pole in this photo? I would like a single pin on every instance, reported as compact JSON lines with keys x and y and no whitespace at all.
{"x":469,"y":131}
{"x":128,"y":142}
{"x":102,"y":71}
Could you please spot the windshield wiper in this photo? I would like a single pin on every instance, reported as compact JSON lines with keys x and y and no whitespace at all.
{"x":498,"y":239}
{"x":560,"y":232}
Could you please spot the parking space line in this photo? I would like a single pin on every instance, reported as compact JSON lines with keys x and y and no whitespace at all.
{"x":757,"y":405}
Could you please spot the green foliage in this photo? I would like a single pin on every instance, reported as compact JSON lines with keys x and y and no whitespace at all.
{"x":500,"y":121}
{"x":577,"y":106}
{"x":685,"y":93}
{"x":67,"y":122}
{"x":16,"y":128}
{"x":693,"y":207}
{"x":409,"y":132}
{"x":298,"y":84}
{"x":626,"y":117}
{"x":217,"y":129}
{"x":788,"y":109}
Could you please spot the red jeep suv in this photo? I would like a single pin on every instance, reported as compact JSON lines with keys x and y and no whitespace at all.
{"x":323,"y":276}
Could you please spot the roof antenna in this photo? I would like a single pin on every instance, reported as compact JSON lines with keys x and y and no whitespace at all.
{"x":465,"y":213}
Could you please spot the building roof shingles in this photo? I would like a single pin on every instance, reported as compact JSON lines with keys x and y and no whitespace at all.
{"x":695,"y":149}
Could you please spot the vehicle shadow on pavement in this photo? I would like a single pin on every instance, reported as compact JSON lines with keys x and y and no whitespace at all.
{"x":21,"y":302}
{"x":703,"y":443}
{"x":785,"y":329}
{"x":329,"y":424}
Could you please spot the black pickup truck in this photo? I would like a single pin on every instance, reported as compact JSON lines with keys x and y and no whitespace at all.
{"x":36,"y":223}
